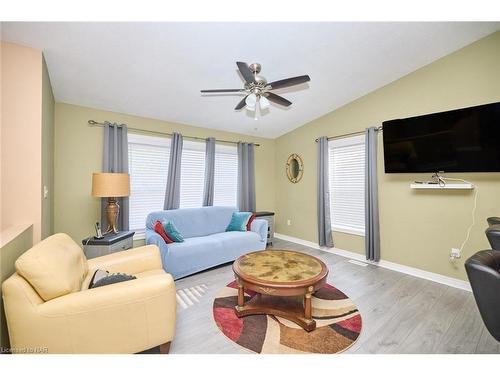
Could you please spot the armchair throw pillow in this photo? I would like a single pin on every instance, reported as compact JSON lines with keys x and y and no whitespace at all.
{"x":102,"y":278}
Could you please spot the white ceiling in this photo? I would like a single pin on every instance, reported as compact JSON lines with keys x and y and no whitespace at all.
{"x":157,"y":69}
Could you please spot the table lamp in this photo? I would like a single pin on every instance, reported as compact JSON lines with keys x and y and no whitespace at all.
{"x":111,"y":186}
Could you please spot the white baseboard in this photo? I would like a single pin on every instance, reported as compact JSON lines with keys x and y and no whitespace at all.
{"x":436,"y":277}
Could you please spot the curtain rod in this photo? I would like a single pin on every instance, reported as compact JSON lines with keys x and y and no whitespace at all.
{"x":95,"y":123}
{"x":348,"y":134}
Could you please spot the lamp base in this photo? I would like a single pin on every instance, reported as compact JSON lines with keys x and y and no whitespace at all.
{"x":112,"y":212}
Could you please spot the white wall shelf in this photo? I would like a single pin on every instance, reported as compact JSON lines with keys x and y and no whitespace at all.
{"x":447,"y":186}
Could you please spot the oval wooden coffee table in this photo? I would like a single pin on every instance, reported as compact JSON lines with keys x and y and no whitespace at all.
{"x":284,"y":281}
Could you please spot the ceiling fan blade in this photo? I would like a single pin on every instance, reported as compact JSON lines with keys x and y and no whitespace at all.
{"x":241,"y":104}
{"x":289,"y":82}
{"x":221,"y":90}
{"x":245,"y":72}
{"x":278,"y":99}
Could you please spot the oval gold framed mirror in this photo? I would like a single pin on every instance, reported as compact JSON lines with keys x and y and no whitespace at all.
{"x":294,"y":168}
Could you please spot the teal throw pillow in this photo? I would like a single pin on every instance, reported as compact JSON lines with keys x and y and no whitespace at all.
{"x":238,"y":222}
{"x":172,"y":231}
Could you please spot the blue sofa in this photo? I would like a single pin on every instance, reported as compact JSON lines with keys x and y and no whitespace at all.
{"x":206,"y":243}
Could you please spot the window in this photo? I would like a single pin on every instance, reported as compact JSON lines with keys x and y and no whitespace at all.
{"x":226,"y":175}
{"x":148,"y":167}
{"x":347,"y":184}
{"x":192,"y":174}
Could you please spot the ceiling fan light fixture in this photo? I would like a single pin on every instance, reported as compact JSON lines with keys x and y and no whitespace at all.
{"x":264,"y":103}
{"x":251,"y":100}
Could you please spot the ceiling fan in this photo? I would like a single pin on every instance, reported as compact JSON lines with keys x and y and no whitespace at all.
{"x":258,"y":90}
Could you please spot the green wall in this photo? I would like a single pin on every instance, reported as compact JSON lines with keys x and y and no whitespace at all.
{"x":417,"y":228}
{"x":78,"y":153}
{"x":47,"y":153}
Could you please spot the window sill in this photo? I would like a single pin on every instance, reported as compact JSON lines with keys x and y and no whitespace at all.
{"x":353,"y":231}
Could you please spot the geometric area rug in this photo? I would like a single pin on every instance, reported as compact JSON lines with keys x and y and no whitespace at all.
{"x":337,"y":318}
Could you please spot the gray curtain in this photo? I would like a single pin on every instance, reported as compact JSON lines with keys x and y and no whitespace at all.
{"x":372,"y":233}
{"x":324,"y":221}
{"x":208,"y":187}
{"x":246,"y":177}
{"x":173,"y":191}
{"x":115,"y":161}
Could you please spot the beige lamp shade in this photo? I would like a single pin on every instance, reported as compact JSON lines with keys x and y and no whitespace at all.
{"x":106,"y":185}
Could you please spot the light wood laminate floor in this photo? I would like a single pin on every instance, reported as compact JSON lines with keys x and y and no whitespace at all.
{"x":401,"y":313}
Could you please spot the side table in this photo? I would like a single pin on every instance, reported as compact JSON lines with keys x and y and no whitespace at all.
{"x":111,"y":243}
{"x":269,"y":216}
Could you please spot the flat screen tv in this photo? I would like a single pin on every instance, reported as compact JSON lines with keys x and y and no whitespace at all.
{"x":462,"y":140}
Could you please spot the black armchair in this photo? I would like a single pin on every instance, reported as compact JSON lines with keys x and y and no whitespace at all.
{"x":483,"y":271}
{"x":493,"y":220}
{"x":493,"y":232}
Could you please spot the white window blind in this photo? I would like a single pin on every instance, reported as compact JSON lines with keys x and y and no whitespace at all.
{"x":347,"y":184}
{"x":192,"y":174}
{"x":148,"y":167}
{"x":226,"y":175}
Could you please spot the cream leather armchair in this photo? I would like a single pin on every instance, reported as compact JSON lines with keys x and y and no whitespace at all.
{"x":49,"y":307}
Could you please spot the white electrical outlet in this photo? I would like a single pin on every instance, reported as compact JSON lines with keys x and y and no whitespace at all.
{"x":289,"y":222}
{"x":455,"y":253}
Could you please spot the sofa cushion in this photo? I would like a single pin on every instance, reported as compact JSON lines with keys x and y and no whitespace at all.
{"x":231,"y":240}
{"x":199,"y":253}
{"x":54,"y":267}
{"x":188,"y":255}
{"x":194,"y":222}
